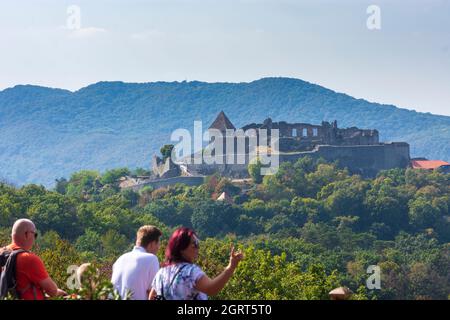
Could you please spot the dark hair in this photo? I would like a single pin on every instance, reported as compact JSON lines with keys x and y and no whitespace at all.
{"x":146,"y":235}
{"x":180,"y":240}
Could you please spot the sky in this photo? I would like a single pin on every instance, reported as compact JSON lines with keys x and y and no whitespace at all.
{"x":405,"y":61}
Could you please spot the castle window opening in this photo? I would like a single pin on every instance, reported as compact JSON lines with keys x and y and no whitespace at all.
{"x":305,"y":132}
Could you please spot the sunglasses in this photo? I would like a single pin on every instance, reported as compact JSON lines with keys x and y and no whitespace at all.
{"x":196,"y":243}
{"x":35,"y":234}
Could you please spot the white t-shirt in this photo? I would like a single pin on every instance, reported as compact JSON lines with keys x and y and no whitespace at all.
{"x":134,"y":272}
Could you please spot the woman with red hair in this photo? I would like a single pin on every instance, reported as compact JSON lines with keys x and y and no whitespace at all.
{"x":180,"y":278}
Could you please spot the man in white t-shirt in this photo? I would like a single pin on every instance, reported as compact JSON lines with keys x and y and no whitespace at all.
{"x":134,"y":271}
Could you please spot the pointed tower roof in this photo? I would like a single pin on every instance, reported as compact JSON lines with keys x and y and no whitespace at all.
{"x":225,"y":197}
{"x":222,"y":123}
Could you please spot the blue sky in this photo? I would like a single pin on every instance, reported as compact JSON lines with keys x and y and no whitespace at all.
{"x":406,"y":62}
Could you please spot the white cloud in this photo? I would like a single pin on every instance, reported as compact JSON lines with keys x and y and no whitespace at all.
{"x":87,"y":32}
{"x":147,"y":34}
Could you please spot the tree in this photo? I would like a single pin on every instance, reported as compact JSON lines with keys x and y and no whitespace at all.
{"x":257,"y":208}
{"x":280,"y":223}
{"x":33,"y":191}
{"x":131,"y":197}
{"x":84,"y":184}
{"x":308,"y":208}
{"x":54,"y":211}
{"x":422,"y":213}
{"x":166,"y":151}
{"x":145,"y":195}
{"x":166,"y":211}
{"x":426,"y":283}
{"x":211,"y":218}
{"x":89,"y":241}
{"x":57,"y":260}
{"x":11,"y":208}
{"x":254,"y":170}
{"x":306,"y":164}
{"x":274,"y":189}
{"x":48,"y":240}
{"x":325,"y":174}
{"x":344,"y":197}
{"x":114,"y":243}
{"x":387,"y":204}
{"x":140,"y":172}
{"x":113,"y":176}
{"x":61,"y":185}
{"x":5,"y":236}
{"x":264,"y":276}
{"x":320,"y":233}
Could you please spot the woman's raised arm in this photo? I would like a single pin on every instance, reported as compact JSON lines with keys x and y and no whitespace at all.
{"x":213,"y":286}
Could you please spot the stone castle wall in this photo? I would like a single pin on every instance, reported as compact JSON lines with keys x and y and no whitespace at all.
{"x":366,"y":160}
{"x":161,"y":183}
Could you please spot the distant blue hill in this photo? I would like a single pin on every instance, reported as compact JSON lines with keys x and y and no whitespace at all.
{"x":50,"y":133}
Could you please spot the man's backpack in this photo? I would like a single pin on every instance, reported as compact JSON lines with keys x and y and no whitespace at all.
{"x":8,"y":281}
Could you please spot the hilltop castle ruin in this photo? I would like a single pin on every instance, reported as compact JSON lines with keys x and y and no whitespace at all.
{"x":357,"y":149}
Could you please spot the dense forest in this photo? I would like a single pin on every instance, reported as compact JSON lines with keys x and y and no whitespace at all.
{"x":306,"y":230}
{"x":47,"y":133}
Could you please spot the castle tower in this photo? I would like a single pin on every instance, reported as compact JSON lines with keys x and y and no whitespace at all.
{"x":222,"y":123}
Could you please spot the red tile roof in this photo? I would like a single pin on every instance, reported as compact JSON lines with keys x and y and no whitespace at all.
{"x":428,"y":164}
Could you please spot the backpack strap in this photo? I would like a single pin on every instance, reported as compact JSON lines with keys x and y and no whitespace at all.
{"x":162,"y":292}
{"x":28,"y":287}
{"x":17,"y":251}
{"x":4,"y":254}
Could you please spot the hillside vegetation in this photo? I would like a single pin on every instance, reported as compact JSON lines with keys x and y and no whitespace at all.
{"x":306,"y":230}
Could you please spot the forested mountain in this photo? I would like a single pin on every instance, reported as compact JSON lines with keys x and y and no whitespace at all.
{"x":49,"y":133}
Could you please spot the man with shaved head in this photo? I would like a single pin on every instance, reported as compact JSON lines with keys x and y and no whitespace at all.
{"x":32,"y":278}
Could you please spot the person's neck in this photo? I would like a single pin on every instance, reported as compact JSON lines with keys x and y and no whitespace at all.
{"x":19,"y":244}
{"x":145,"y":249}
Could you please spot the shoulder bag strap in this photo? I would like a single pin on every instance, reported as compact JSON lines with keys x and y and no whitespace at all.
{"x":174,"y":277}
